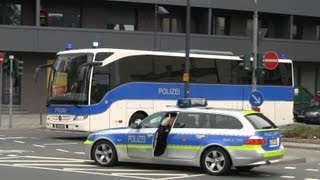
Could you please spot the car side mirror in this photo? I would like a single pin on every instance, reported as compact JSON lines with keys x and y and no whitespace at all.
{"x":136,"y":124}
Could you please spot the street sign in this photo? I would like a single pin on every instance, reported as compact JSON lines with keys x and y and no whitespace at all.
{"x":270,"y":60}
{"x":1,"y":58}
{"x":256,"y":98}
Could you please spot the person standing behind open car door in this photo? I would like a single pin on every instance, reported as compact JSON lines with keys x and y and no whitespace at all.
{"x":160,"y":141}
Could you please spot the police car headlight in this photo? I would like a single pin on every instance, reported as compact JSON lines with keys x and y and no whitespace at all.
{"x":80,"y":117}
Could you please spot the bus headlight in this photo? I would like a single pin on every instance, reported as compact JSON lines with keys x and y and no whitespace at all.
{"x":80,"y":117}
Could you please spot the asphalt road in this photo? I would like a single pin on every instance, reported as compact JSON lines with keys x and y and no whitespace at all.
{"x":43,"y":154}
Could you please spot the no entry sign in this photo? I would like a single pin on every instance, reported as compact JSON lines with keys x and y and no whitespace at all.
{"x":270,"y":60}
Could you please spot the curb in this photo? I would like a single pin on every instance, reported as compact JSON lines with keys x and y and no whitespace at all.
{"x":301,"y":147}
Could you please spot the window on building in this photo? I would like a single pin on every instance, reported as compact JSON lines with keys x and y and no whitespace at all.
{"x":249,"y":27}
{"x":169,"y":24}
{"x":62,"y":15}
{"x":121,"y":18}
{"x":221,"y":25}
{"x":10,"y":13}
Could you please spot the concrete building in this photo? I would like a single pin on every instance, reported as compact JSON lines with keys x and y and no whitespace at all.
{"x":34,"y":30}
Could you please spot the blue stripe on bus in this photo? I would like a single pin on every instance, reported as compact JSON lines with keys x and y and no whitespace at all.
{"x":167,"y":91}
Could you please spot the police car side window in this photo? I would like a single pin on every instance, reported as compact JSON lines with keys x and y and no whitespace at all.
{"x":152,"y":121}
{"x":226,"y":122}
{"x":187,"y":120}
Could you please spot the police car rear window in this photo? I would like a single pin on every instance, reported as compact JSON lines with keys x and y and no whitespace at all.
{"x":259,"y":121}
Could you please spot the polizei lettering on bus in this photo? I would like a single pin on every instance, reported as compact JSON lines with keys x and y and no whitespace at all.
{"x":169,"y":91}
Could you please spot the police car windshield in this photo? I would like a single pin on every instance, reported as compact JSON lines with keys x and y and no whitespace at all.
{"x":259,"y":121}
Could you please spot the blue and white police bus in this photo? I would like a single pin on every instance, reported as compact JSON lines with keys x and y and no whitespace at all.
{"x":99,"y":88}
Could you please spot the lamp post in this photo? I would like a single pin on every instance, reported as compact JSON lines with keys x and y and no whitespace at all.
{"x":255,"y":45}
{"x":186,"y":74}
{"x":157,"y":10}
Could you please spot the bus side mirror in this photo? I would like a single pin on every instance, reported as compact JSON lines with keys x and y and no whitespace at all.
{"x":35,"y":75}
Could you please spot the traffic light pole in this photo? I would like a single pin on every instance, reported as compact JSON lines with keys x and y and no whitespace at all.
{"x":255,"y":45}
{"x":11,"y":57}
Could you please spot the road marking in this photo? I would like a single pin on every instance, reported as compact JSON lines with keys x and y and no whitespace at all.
{"x":21,"y":142}
{"x":289,"y":167}
{"x":62,"y":150}
{"x":313,"y":170}
{"x":37,"y":145}
{"x":310,"y":179}
{"x":287,"y":177}
{"x":189,"y":176}
{"x":41,"y":164}
{"x":11,"y":138}
{"x":3,"y":138}
{"x":37,"y":161}
{"x":57,"y":144}
{"x":13,"y":151}
{"x":150,"y":174}
{"x":114,"y":170}
{"x":81,"y":172}
{"x":79,"y":152}
{"x":12,"y":155}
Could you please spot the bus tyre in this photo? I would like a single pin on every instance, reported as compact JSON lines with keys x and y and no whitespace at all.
{"x":215,"y":161}
{"x":135,"y":116}
{"x":244,"y":168}
{"x":104,"y":153}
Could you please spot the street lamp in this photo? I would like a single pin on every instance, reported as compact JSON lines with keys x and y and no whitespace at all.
{"x":157,"y":10}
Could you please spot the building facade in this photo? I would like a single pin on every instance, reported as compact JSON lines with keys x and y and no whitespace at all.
{"x":34,"y":30}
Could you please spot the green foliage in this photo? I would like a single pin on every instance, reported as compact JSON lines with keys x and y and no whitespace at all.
{"x":302,"y":131}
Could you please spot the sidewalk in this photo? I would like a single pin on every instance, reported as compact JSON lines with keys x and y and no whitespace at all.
{"x":23,"y":121}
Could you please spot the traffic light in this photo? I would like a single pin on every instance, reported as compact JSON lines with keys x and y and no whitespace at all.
{"x":260,"y":66}
{"x":18,"y":67}
{"x":246,"y":64}
{"x":6,"y":66}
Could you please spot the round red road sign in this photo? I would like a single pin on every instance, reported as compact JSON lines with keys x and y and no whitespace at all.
{"x":1,"y":58}
{"x":270,"y":60}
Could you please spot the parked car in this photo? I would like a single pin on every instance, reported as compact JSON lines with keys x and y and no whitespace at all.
{"x":309,"y":115}
{"x":211,"y":138}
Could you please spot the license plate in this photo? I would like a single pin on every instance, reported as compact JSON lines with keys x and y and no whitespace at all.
{"x":60,"y":126}
{"x":273,"y":142}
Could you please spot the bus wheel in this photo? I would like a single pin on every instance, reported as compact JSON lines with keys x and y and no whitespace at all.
{"x":104,"y":153}
{"x":215,"y":161}
{"x":137,"y":115}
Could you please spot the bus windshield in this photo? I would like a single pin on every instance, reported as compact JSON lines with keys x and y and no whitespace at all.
{"x":68,"y":80}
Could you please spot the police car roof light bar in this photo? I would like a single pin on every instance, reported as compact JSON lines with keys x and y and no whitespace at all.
{"x":192,"y":102}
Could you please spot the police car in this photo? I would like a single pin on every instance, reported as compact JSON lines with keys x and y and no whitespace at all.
{"x":211,"y":138}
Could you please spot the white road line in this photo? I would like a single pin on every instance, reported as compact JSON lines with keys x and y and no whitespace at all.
{"x":114,"y":170}
{"x":12,"y":155}
{"x":38,"y":161}
{"x":13,"y":151}
{"x":58,"y":165}
{"x":81,"y":172}
{"x":56,"y":158}
{"x":189,"y":176}
{"x":313,"y":170}
{"x":57,"y":144}
{"x":79,"y":152}
{"x":150,"y":174}
{"x":62,"y":150}
{"x":287,"y":177}
{"x":12,"y":138}
{"x":310,"y":179}
{"x":3,"y":138}
{"x":289,"y":167}
{"x":37,"y":145}
{"x":21,"y":142}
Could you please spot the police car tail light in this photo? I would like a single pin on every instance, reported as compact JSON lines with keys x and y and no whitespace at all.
{"x":255,"y":140}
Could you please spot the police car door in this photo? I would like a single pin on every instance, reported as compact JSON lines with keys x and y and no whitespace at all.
{"x":185,"y":138}
{"x":140,"y":140}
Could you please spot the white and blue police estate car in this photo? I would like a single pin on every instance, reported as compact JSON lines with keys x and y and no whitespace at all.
{"x":211,"y":138}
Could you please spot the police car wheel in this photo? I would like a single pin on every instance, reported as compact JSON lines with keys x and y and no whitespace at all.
{"x":104,"y":153}
{"x":215,"y":161}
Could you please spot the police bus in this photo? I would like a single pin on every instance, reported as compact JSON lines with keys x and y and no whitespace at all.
{"x":99,"y":88}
